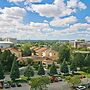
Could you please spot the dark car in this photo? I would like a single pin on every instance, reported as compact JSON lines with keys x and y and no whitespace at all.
{"x":87,"y":85}
{"x":1,"y":84}
{"x":82,"y":76}
{"x":13,"y":85}
{"x":18,"y":85}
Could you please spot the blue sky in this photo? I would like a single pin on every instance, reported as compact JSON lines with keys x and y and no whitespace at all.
{"x":45,"y":19}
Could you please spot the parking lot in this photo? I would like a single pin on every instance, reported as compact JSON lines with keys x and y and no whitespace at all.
{"x":53,"y":86}
{"x":24,"y":87}
{"x":61,"y":85}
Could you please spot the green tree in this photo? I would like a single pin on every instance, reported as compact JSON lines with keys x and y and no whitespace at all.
{"x":64,"y":67}
{"x":53,"y":69}
{"x":64,"y":53}
{"x":29,"y":72}
{"x":87,"y":60}
{"x":14,"y":71}
{"x":26,"y":51}
{"x":36,"y":66}
{"x":29,"y":61}
{"x":75,"y":80}
{"x":41,"y":70}
{"x":79,"y":59}
{"x":73,"y":66}
{"x":6,"y":59}
{"x":1,"y":72}
{"x":39,"y":83}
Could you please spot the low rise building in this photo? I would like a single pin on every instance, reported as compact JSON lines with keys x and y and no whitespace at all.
{"x":17,"y":53}
{"x":7,"y":42}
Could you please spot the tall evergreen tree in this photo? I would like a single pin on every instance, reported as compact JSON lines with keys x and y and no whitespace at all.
{"x":41,"y":70}
{"x":64,"y":67}
{"x":53,"y":69}
{"x":14,"y":70}
{"x":1,"y":72}
{"x":73,"y":66}
{"x":29,"y":72}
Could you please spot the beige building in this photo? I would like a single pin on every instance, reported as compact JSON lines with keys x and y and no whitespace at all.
{"x":46,"y":52}
{"x":46,"y":55}
{"x":17,"y":53}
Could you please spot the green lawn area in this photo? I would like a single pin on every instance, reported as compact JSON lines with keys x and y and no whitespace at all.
{"x":84,"y":73}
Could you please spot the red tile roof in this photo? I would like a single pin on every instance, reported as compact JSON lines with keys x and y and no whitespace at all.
{"x":41,"y":49}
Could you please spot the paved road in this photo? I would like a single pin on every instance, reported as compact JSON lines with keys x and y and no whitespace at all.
{"x":59,"y":86}
{"x":53,"y":86}
{"x":24,"y":87}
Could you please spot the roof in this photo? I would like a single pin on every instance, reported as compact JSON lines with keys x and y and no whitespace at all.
{"x":41,"y":49}
{"x":6,"y":42}
{"x":37,"y":48}
{"x":35,"y":58}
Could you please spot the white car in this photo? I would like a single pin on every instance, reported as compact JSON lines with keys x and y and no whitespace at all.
{"x":81,"y":88}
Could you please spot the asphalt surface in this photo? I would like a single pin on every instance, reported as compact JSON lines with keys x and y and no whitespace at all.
{"x":59,"y":86}
{"x":62,"y":85}
{"x":24,"y":87}
{"x":53,"y":86}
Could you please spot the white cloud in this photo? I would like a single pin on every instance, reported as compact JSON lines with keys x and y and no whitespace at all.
{"x":59,"y":8}
{"x":11,"y":25}
{"x":78,"y":30}
{"x":11,"y":18}
{"x":51,"y":10}
{"x":76,"y":3}
{"x":11,"y":21}
{"x":58,"y":22}
{"x":33,"y":0}
{"x":16,"y":1}
{"x":87,"y":19}
{"x":82,"y":5}
{"x":78,"y":27}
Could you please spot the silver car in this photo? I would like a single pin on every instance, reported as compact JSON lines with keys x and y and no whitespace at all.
{"x":81,"y":88}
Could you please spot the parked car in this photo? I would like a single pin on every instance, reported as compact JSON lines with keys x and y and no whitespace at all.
{"x":6,"y":85}
{"x":18,"y":84}
{"x":81,"y":88}
{"x":13,"y":85}
{"x":82,"y":76}
{"x":53,"y":79}
{"x":1,"y":84}
{"x":87,"y":85}
{"x":59,"y":79}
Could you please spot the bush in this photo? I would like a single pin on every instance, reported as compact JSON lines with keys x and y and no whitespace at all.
{"x":66,"y":74}
{"x":23,"y":78}
{"x":39,"y":83}
{"x":68,"y":78}
{"x":35,"y":66}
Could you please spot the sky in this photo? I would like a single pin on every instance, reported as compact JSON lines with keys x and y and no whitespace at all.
{"x":45,"y":19}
